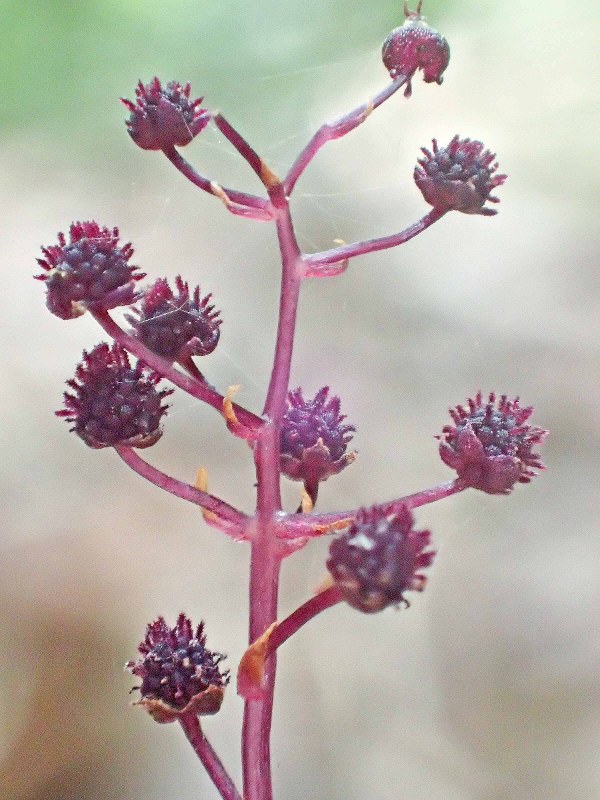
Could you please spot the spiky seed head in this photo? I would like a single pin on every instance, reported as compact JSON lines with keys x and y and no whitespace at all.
{"x":90,"y":270}
{"x":490,"y":444}
{"x":163,"y":117}
{"x":176,"y":325}
{"x":113,"y":403}
{"x":379,"y":559}
{"x":459,"y":177}
{"x":179,"y":674}
{"x":314,"y":437}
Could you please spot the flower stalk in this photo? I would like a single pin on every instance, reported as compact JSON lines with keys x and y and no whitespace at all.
{"x":210,"y":760}
{"x":240,"y":203}
{"x":196,"y":388}
{"x":293,"y":526}
{"x":317,"y":262}
{"x":376,"y":553}
{"x":224,"y":516}
{"x":337,"y":128}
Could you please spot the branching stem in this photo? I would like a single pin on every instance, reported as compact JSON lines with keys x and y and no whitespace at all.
{"x":269,"y":525}
{"x":322,"y":261}
{"x":293,"y":526}
{"x":290,"y":625}
{"x":228,"y":518}
{"x":267,"y":549}
{"x":335,"y":130}
{"x":198,"y":389}
{"x":240,"y":203}
{"x":256,"y":163}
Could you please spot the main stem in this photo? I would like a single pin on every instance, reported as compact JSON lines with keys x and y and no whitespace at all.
{"x":267,"y":551}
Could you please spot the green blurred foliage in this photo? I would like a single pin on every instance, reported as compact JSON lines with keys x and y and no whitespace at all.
{"x":64,"y":63}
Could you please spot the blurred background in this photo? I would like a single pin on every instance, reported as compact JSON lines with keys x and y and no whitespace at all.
{"x":488,"y":687}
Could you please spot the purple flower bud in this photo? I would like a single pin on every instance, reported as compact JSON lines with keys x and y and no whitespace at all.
{"x":162,"y":118}
{"x":415,"y":46}
{"x":314,"y":438}
{"x":490,"y":444}
{"x":459,"y":177}
{"x":176,"y":326}
{"x":89,"y":271}
{"x":379,"y":558}
{"x":179,"y":674}
{"x":113,"y":403}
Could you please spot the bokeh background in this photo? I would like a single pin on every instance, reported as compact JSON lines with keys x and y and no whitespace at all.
{"x":488,"y":687}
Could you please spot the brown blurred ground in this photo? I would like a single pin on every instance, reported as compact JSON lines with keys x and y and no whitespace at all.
{"x":488,"y":688}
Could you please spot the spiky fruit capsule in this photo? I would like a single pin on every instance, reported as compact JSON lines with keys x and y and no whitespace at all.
{"x":314,"y":438}
{"x":164,"y":117}
{"x":91,"y":270}
{"x":379,"y":558}
{"x":113,"y":403}
{"x":176,"y":326}
{"x":459,"y":177}
{"x":414,"y":45}
{"x":179,"y":674}
{"x":491,"y":445}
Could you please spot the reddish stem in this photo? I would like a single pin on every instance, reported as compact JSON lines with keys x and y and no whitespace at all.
{"x":240,"y":203}
{"x":198,"y":389}
{"x":288,"y":307}
{"x":210,"y":760}
{"x":317,"y":262}
{"x":336,"y":129}
{"x":190,"y":367}
{"x":267,"y":550}
{"x":290,"y":625}
{"x":293,"y":526}
{"x":256,"y":730}
{"x":229,"y":518}
{"x":427,"y":496}
{"x":240,"y":144}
